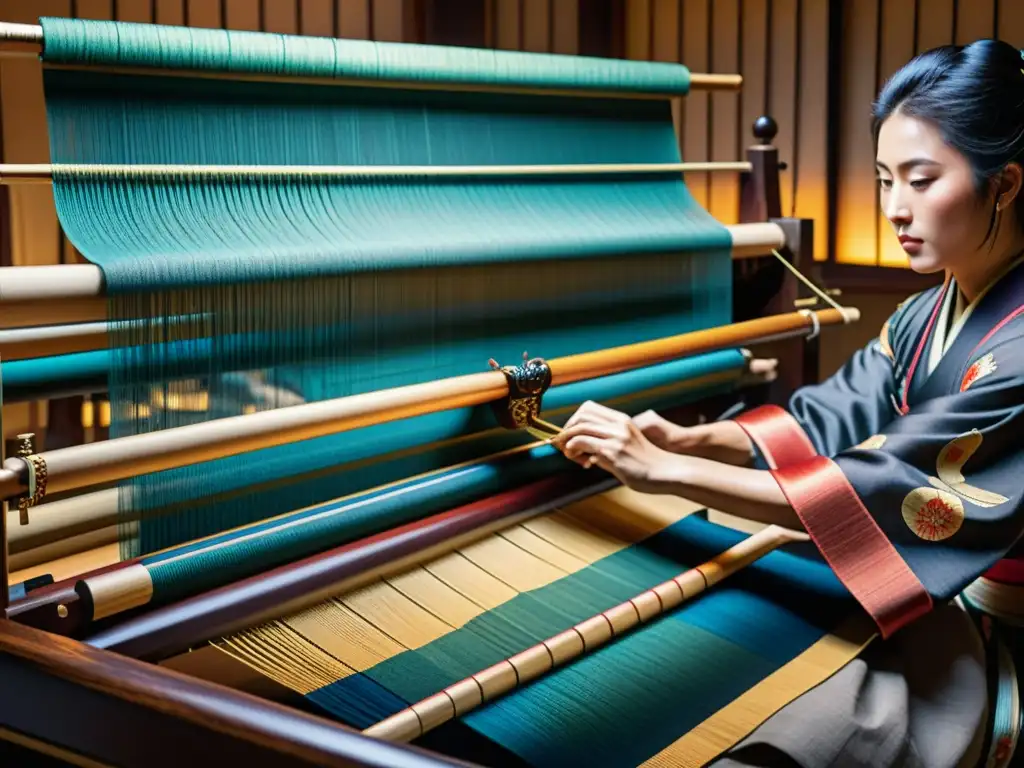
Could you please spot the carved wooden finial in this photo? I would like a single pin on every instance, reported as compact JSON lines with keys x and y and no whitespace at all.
{"x":765,"y":129}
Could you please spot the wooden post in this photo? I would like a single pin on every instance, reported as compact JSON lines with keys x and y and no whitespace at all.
{"x":760,"y":199}
{"x":764,"y":286}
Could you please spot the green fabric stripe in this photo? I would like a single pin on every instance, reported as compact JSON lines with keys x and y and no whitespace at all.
{"x":632,"y":698}
{"x":110,"y":43}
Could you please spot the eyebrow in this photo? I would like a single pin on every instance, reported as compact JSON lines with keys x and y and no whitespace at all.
{"x":907,"y":165}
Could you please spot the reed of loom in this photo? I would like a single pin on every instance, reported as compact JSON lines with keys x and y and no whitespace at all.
{"x":215,"y":718}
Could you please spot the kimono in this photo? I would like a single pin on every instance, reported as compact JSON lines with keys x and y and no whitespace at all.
{"x":906,"y":469}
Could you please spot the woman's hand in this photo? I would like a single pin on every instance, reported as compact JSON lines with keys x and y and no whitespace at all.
{"x":723,"y":441}
{"x":598,"y":435}
{"x":661,"y":432}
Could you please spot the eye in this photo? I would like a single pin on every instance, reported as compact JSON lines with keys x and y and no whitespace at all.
{"x":921,"y":184}
{"x":884,"y":184}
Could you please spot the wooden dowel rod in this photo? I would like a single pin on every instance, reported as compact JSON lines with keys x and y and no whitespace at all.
{"x":21,"y":33}
{"x":51,"y":340}
{"x":112,"y":460}
{"x":61,"y":518}
{"x":43,"y":173}
{"x":32,"y":342}
{"x":466,"y":695}
{"x":80,"y":287}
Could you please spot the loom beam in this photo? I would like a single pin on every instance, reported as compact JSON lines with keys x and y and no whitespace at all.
{"x":81,"y":466}
{"x":74,"y":293}
{"x":199,"y":721}
{"x":32,"y":34}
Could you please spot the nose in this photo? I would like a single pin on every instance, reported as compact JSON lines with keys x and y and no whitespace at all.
{"x":895,"y":207}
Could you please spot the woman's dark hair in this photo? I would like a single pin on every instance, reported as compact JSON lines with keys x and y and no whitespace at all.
{"x":974,"y":95}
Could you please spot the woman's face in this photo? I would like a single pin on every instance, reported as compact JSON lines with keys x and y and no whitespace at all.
{"x":927,"y":192}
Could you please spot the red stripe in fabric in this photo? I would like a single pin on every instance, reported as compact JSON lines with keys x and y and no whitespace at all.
{"x":855,"y":547}
{"x":1009,"y":570}
{"x":779,"y":436}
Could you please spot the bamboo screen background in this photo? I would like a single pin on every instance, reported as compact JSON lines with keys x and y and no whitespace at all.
{"x":814,"y":65}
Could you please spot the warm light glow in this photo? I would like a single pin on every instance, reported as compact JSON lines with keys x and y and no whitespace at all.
{"x":856,"y":235}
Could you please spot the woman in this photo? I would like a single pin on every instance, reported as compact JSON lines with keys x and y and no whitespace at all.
{"x":906,"y":468}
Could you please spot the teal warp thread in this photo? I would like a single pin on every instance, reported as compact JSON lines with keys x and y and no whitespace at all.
{"x":301,"y":288}
{"x":99,"y":43}
{"x":633,"y":697}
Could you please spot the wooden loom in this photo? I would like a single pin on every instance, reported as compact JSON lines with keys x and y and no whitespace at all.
{"x":195,"y":673}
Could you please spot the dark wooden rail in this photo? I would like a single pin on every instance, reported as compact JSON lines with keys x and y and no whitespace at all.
{"x":119,"y":711}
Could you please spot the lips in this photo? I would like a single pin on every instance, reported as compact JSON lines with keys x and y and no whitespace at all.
{"x":910,"y":244}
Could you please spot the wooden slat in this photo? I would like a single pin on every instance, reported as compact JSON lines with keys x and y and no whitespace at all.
{"x":856,"y":196}
{"x":565,"y":31}
{"x":723,"y":194}
{"x":507,"y":24}
{"x":388,"y":17}
{"x":317,"y":18}
{"x":170,"y":12}
{"x":696,"y":54}
{"x":935,"y":23}
{"x":975,"y":20}
{"x":204,"y":13}
{"x":782,"y":96}
{"x":280,"y":16}
{"x":101,"y":10}
{"x":353,"y":18}
{"x":1011,"y":22}
{"x":896,"y":48}
{"x":638,"y":28}
{"x":138,"y":11}
{"x":242,"y":14}
{"x":536,"y":26}
{"x":754,"y":68}
{"x":811,"y":168}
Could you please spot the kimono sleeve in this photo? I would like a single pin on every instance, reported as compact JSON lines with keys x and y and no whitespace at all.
{"x":850,"y":406}
{"x":931,"y":502}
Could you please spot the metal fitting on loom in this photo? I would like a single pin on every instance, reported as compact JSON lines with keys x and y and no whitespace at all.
{"x":527,"y":384}
{"x":36,"y":475}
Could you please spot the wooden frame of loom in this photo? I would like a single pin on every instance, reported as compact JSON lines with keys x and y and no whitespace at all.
{"x":139,"y":676}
